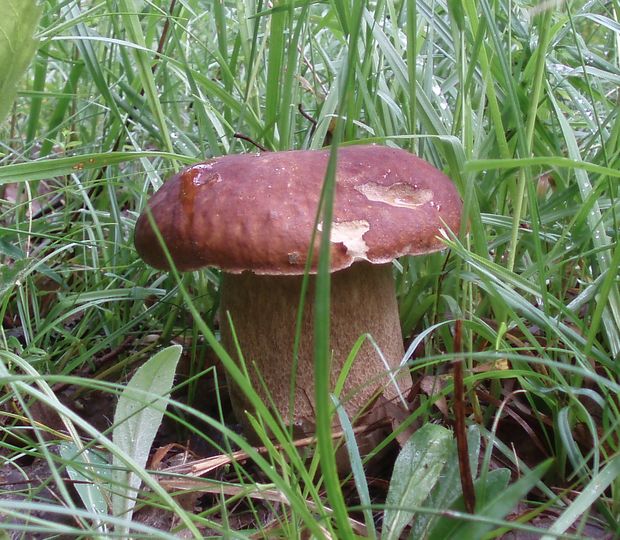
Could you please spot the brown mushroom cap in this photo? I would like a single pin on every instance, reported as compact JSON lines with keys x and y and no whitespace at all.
{"x":256,"y":211}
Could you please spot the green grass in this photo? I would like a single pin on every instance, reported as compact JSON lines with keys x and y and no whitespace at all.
{"x":518,"y":104}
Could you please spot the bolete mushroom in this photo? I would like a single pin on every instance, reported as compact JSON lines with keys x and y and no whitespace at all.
{"x":252,"y":216}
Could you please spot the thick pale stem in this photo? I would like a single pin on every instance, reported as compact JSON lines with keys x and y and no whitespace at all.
{"x":263,"y":311}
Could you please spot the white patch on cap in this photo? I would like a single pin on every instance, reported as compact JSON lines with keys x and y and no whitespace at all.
{"x":205,"y":174}
{"x":399,"y":194}
{"x":351,"y":235}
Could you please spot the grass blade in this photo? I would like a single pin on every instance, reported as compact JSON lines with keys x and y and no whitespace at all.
{"x":17,"y":46}
{"x":582,"y":503}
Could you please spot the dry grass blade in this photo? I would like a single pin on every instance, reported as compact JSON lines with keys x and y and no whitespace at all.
{"x":203,"y":466}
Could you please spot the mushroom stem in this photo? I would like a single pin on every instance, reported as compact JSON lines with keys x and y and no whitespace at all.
{"x":263,"y":311}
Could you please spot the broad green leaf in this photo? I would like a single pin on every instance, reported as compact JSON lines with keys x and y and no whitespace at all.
{"x":449,"y":488}
{"x":416,"y":471}
{"x":493,"y":500}
{"x":492,"y":485}
{"x":88,"y":469}
{"x":17,"y":46}
{"x":137,"y":418}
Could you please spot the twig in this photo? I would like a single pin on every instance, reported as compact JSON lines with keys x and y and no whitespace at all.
{"x":301,"y":110}
{"x":163,"y":37}
{"x":243,"y":137}
{"x":469,"y":495}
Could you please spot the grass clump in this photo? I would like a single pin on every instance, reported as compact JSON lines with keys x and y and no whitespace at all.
{"x":516,"y":101}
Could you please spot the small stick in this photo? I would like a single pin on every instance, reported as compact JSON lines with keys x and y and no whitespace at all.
{"x":162,"y":38}
{"x":469,"y":495}
{"x":251,"y":141}
{"x":301,"y":110}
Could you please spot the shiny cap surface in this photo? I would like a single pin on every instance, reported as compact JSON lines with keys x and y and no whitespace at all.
{"x":256,"y":211}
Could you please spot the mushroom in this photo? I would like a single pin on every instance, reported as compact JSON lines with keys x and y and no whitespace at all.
{"x":252,"y":216}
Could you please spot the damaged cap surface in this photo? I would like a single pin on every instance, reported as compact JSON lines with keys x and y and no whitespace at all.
{"x":256,"y":211}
